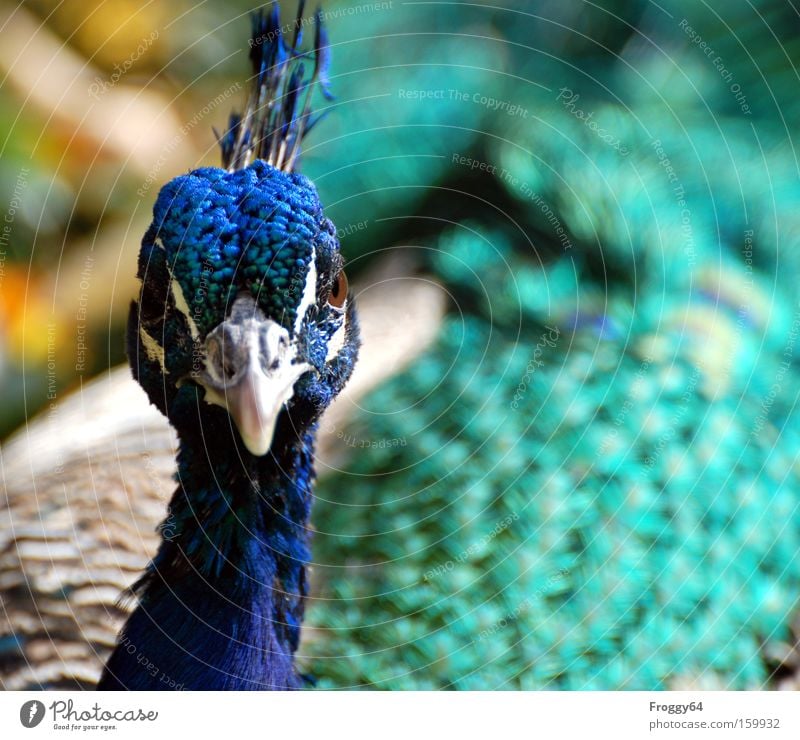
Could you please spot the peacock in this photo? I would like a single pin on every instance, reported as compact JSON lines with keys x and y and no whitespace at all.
{"x":587,"y":480}
{"x":242,"y":335}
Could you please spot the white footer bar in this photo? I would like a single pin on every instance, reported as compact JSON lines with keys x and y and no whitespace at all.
{"x":401,"y":716}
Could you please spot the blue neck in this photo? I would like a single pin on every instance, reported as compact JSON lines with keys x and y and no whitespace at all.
{"x":220,"y":605}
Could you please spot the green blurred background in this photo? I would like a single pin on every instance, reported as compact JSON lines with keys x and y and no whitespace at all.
{"x":103,"y":101}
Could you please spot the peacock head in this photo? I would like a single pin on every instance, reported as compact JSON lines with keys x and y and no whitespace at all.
{"x":244,"y":297}
{"x":244,"y":305}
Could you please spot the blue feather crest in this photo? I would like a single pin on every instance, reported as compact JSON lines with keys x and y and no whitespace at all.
{"x":278,"y":111}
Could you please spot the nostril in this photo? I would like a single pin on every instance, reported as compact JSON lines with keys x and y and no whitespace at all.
{"x":274,"y":345}
{"x":214,"y":355}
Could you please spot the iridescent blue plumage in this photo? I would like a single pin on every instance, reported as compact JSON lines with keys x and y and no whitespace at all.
{"x":243,"y":334}
{"x":263,"y":224}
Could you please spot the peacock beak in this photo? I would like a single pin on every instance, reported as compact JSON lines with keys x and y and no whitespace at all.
{"x":256,"y":399}
{"x":250,"y":371}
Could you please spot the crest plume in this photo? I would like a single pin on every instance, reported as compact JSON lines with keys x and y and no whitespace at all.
{"x":278,"y":111}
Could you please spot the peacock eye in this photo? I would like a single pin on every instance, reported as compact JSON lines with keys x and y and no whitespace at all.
{"x":338,"y":294}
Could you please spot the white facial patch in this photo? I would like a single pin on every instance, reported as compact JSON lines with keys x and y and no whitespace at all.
{"x":336,"y":341}
{"x":309,"y":293}
{"x":183,"y":307}
{"x":153,"y":350}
